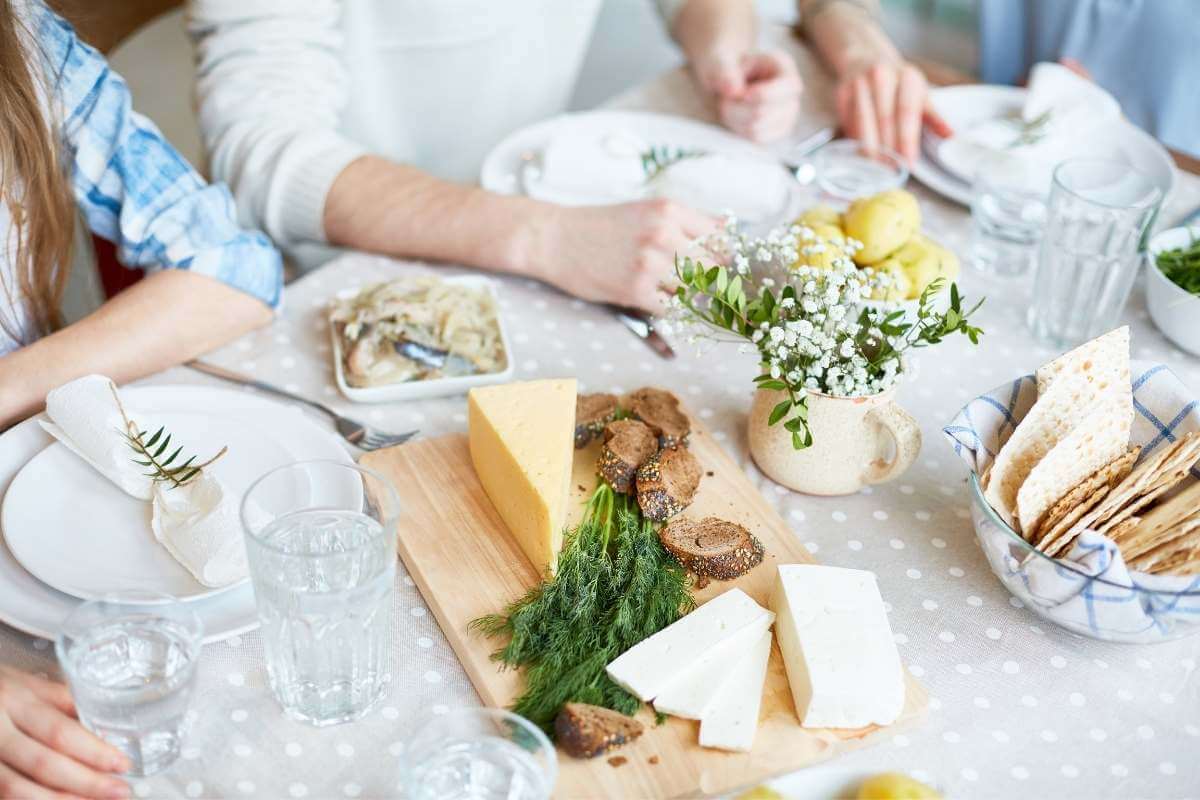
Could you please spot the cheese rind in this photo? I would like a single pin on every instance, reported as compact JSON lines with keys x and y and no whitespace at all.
{"x":731,"y":720}
{"x":837,"y":647}
{"x":653,"y":664}
{"x":693,"y":692}
{"x":522,"y":445}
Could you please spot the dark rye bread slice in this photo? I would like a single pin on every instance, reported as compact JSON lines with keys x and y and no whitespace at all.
{"x":666,"y":484}
{"x":627,"y":445}
{"x":586,"y":731}
{"x":592,"y":413}
{"x":659,"y":409}
{"x":711,"y":546}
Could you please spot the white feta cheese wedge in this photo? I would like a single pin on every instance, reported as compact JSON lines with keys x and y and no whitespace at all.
{"x":650,"y":666}
{"x":693,"y":692}
{"x":837,"y":646}
{"x":731,"y":720}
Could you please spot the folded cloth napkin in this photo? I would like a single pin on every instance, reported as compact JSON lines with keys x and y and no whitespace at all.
{"x":752,"y":189}
{"x":198,"y":524}
{"x":85,"y":416}
{"x":586,"y":166}
{"x":1064,"y":116}
{"x":1091,"y":589}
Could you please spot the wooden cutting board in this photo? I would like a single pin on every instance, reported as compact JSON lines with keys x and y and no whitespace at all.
{"x":466,"y":564}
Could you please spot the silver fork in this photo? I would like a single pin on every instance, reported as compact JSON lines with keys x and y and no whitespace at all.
{"x":356,"y":433}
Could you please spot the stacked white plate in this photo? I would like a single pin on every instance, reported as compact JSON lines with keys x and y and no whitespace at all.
{"x":964,"y":107}
{"x":71,"y":535}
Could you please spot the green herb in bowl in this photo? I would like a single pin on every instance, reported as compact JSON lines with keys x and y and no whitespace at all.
{"x":1182,"y":266}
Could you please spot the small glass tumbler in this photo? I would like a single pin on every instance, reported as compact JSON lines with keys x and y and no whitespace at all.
{"x":131,"y":661}
{"x":846,"y":170}
{"x":1008,"y":213}
{"x":1091,"y":249}
{"x":479,"y":754}
{"x":320,"y":540}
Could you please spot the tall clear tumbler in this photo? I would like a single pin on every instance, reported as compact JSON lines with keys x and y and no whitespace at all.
{"x":131,"y":662}
{"x":1090,"y":251}
{"x":320,"y":537}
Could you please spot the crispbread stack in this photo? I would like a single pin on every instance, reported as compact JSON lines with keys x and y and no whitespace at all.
{"x":1084,"y":407}
{"x":1068,"y":467}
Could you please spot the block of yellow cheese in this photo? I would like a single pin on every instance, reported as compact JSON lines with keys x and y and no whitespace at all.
{"x":522,"y":445}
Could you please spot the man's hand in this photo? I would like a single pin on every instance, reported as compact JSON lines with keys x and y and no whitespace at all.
{"x":757,"y":94}
{"x":44,"y":751}
{"x":622,"y":254}
{"x":885,"y":103}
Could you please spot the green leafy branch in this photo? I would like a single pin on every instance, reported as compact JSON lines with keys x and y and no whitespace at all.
{"x":153,"y":452}
{"x":1031,"y":131}
{"x":657,"y":158}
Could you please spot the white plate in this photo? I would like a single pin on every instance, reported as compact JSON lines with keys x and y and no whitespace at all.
{"x":963,"y":105}
{"x":433,"y":387}
{"x":501,"y":168}
{"x":31,"y":606}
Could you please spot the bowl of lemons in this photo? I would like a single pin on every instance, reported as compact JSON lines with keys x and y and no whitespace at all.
{"x":886,"y":231}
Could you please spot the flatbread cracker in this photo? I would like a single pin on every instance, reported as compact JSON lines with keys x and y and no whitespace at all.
{"x":1143,"y":479}
{"x":1077,"y":381}
{"x":1101,"y":436}
{"x":1075,"y":503}
{"x":1107,"y":354}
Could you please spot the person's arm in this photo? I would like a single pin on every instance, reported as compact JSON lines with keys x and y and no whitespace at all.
{"x":271,"y":88}
{"x":44,"y":752}
{"x":757,"y":93}
{"x":168,"y":318}
{"x":881,"y":98}
{"x":137,"y":191}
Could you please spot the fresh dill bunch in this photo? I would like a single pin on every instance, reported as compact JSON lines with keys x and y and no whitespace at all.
{"x":615,"y":586}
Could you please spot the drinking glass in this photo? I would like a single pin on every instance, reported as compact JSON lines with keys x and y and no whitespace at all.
{"x":846,"y":171}
{"x":1090,"y":251}
{"x":1008,"y":212}
{"x":130,"y":660}
{"x":320,"y":540}
{"x":479,"y":754}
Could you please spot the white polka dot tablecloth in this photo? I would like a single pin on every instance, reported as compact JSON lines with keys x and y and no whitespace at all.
{"x":1018,"y":708}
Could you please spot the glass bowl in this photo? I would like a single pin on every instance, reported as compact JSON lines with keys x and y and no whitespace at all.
{"x":1063,"y":593}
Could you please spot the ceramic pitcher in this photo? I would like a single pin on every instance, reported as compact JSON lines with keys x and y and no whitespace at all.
{"x":856,"y":441}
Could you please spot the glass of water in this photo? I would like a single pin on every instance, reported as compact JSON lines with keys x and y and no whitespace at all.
{"x":1091,"y":249}
{"x":131,"y":660}
{"x":845,"y":170}
{"x":1008,"y":213}
{"x":320,"y":540}
{"x":479,"y":754}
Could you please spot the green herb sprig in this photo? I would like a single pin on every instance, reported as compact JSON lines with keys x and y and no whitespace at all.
{"x":657,"y":158}
{"x":1032,"y":131}
{"x":615,"y":586}
{"x":152,"y":450}
{"x":1182,"y":266}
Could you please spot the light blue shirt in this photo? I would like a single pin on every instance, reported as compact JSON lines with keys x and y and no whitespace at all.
{"x":132,"y":187}
{"x":1145,"y":52}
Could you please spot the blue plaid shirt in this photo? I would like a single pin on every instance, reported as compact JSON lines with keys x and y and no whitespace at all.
{"x":133,"y":188}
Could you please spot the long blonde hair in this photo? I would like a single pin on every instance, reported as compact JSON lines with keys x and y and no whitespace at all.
{"x":33,"y":185}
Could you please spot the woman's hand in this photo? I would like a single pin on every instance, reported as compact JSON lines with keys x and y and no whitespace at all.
{"x":44,"y":751}
{"x":622,"y":254}
{"x":757,"y":94}
{"x":886,"y":102}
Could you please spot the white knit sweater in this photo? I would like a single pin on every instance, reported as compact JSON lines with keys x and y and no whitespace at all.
{"x":291,"y":91}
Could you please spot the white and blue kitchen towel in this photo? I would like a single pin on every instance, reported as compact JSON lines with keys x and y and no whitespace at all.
{"x":1090,"y":590}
